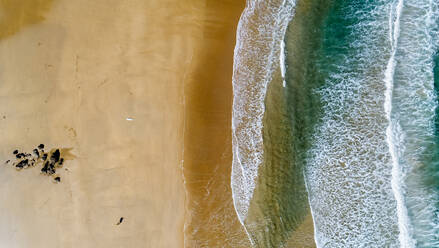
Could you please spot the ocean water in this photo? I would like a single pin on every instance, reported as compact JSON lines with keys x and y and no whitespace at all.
{"x":267,"y":179}
{"x":339,"y":116}
{"x":260,"y":30}
{"x":280,"y":201}
{"x":349,"y":167}
{"x":414,"y":105}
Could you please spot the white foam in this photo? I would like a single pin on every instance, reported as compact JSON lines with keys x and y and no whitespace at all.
{"x":392,"y":133}
{"x":282,"y":62}
{"x":261,"y":28}
{"x":348,"y":169}
{"x":414,"y":103}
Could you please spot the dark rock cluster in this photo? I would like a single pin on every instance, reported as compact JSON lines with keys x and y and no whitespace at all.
{"x":51,"y":161}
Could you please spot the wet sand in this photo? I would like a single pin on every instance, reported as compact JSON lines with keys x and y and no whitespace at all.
{"x":303,"y":236}
{"x":211,"y":218}
{"x":115,"y":81}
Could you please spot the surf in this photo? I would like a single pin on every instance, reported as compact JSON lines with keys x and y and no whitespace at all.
{"x":391,"y":132}
{"x":260,"y":30}
{"x":413,"y":112}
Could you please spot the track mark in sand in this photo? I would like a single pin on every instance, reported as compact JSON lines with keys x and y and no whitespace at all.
{"x":120,"y":221}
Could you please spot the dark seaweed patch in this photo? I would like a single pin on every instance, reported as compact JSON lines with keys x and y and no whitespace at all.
{"x":48,"y":168}
{"x":54,"y":158}
{"x":20,"y":155}
{"x":25,"y":160}
{"x":22,"y":164}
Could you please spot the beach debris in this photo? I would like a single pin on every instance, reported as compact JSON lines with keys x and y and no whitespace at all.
{"x":22,"y":164}
{"x":37,"y":153}
{"x":20,"y":155}
{"x":120,"y":221}
{"x":54,"y":158}
{"x":48,"y":168}
{"x":38,"y":156}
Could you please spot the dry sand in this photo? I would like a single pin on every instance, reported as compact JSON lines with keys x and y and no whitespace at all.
{"x":71,"y":73}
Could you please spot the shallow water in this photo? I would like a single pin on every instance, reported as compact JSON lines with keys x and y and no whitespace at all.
{"x":260,"y":31}
{"x":279,"y":206}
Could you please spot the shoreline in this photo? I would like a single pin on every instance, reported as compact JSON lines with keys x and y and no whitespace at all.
{"x":211,"y":220}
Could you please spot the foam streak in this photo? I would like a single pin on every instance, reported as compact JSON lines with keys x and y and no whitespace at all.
{"x":391,"y":132}
{"x":261,"y":28}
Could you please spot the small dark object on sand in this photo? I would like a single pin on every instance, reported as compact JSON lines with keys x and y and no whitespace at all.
{"x":22,"y":164}
{"x":41,"y":146}
{"x":15,"y":152}
{"x":120,"y":221}
{"x":45,"y":167}
{"x":48,"y":168}
{"x":7,"y":161}
{"x":44,"y":157}
{"x":58,"y":179}
{"x":52,"y":169}
{"x":20,"y":155}
{"x":61,"y":161}
{"x":37,"y":153}
{"x":55,"y":156}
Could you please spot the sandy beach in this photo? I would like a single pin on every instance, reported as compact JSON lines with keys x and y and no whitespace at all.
{"x":211,"y":217}
{"x":114,"y":81}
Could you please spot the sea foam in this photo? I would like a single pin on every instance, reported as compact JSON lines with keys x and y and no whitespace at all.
{"x":413,"y":107}
{"x":349,"y":168}
{"x":260,"y":30}
{"x":393,"y":130}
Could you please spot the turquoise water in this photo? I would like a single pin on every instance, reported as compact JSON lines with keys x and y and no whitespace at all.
{"x":356,"y":115}
{"x":349,"y":167}
{"x":415,"y":104}
{"x":436,"y":88}
{"x":372,"y":169}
